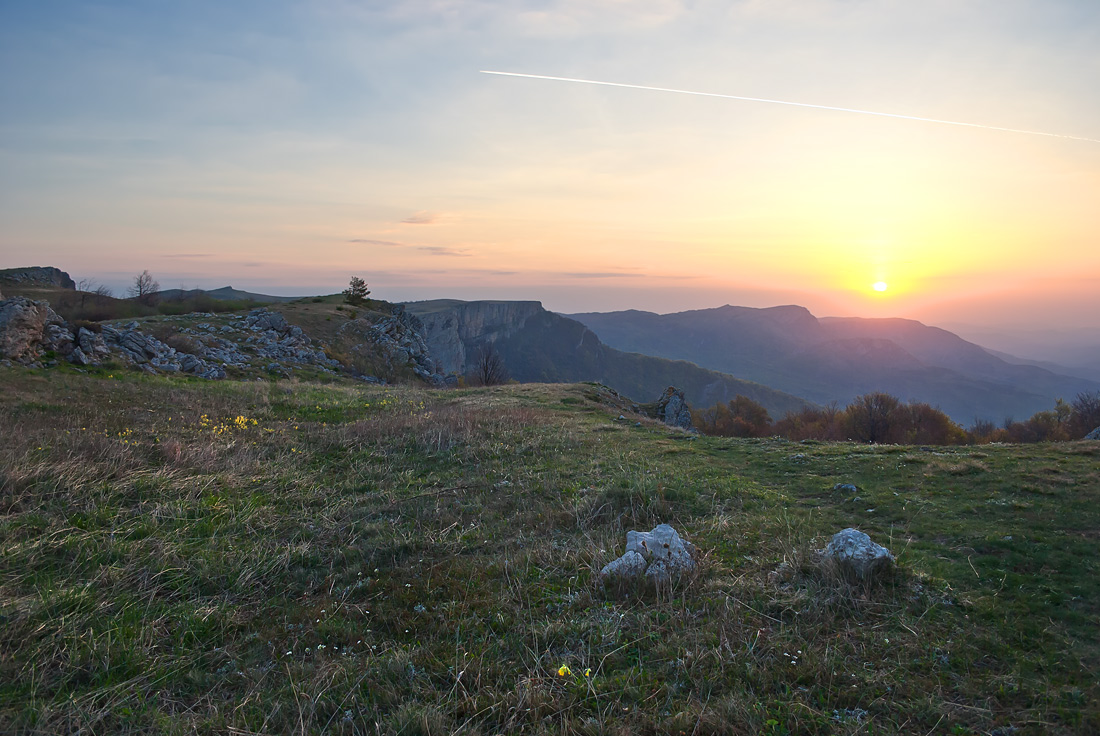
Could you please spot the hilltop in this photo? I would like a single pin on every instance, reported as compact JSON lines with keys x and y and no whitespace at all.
{"x":289,"y":556}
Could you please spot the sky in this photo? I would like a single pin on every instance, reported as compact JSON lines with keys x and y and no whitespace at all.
{"x":283,"y":147}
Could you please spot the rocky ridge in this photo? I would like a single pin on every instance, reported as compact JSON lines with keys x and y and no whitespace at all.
{"x":208,"y":345}
{"x":37,"y":276}
{"x":398,"y":340}
{"x":32,"y":334}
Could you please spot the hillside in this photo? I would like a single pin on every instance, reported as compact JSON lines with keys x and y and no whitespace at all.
{"x":181,"y":556}
{"x":832,"y":359}
{"x":540,"y":346}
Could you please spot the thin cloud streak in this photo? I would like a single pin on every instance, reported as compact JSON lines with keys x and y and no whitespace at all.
{"x":439,"y":250}
{"x":793,"y":104}
{"x":369,"y":241}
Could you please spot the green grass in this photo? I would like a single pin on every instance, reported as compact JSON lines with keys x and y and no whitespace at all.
{"x":399,"y":560}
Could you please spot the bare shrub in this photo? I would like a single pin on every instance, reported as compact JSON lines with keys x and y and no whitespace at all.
{"x":489,"y":369}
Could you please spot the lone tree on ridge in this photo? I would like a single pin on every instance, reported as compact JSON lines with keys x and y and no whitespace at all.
{"x":144,"y":288}
{"x":357,"y":291}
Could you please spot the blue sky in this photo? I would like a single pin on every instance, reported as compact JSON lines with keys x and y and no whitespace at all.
{"x":284,"y":146}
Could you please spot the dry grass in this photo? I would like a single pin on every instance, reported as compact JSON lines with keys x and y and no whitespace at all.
{"x":179,"y":556}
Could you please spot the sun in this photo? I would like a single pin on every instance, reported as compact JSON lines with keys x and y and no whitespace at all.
{"x":880,"y":286}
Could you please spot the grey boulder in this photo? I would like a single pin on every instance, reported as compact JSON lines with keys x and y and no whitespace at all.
{"x":856,"y":557}
{"x":660,"y":556}
{"x":672,"y":409}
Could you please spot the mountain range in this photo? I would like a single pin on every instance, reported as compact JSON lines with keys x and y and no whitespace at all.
{"x":836,"y":359}
{"x":540,"y":346}
{"x":782,"y":357}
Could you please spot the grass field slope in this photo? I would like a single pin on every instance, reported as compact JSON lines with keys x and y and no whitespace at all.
{"x":269,"y":557}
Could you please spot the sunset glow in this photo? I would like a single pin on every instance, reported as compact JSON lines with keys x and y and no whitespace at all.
{"x":282,"y":147}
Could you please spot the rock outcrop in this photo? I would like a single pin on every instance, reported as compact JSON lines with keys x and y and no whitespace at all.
{"x":855,"y":557}
{"x":30,"y":328}
{"x":399,"y":342}
{"x":659,"y":557}
{"x":1093,"y":435}
{"x":673,"y":410}
{"x":151,"y":355}
{"x":38,"y":276}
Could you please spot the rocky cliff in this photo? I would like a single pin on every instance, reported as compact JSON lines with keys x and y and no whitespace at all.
{"x":540,"y":346}
{"x":37,"y":276}
{"x":454,"y":330}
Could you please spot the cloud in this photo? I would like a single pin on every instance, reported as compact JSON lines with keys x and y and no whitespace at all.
{"x":439,"y":250}
{"x":370,"y":241}
{"x":188,"y":255}
{"x":420,"y":218}
{"x":599,"y":275}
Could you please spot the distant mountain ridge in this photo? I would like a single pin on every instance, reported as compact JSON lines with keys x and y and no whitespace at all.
{"x":226,"y":293}
{"x":836,"y":359}
{"x":538,"y":345}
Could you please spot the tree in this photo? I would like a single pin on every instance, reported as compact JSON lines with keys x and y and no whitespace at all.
{"x":927,"y":425}
{"x":357,"y":291}
{"x":489,"y":367}
{"x":85,"y":287}
{"x":144,"y":288}
{"x":872,"y":417}
{"x":1086,"y":413}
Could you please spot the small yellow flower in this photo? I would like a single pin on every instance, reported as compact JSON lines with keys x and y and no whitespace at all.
{"x":564,"y":671}
{"x":588,"y":672}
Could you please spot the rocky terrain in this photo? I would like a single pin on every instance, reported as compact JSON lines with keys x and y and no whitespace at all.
{"x":202,"y":344}
{"x":37,"y":276}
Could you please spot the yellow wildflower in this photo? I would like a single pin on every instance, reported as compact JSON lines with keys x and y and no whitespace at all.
{"x":564,"y":671}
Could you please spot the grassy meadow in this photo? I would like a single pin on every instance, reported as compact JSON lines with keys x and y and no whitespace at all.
{"x":270,"y":557}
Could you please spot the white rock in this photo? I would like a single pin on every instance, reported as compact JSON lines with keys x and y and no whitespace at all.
{"x":856,"y":556}
{"x":659,"y":556}
{"x":631,"y":565}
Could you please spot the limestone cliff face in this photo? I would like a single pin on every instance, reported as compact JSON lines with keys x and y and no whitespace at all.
{"x":37,"y":276}
{"x":454,"y":329}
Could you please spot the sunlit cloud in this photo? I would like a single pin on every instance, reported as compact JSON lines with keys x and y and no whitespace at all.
{"x":371,"y":241}
{"x":439,"y":250}
{"x":600,"y":275}
{"x":420,"y":218}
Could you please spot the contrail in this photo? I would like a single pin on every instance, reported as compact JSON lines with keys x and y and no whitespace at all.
{"x":794,"y":104}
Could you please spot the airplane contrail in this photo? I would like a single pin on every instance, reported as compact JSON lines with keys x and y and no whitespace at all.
{"x":794,"y":104}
